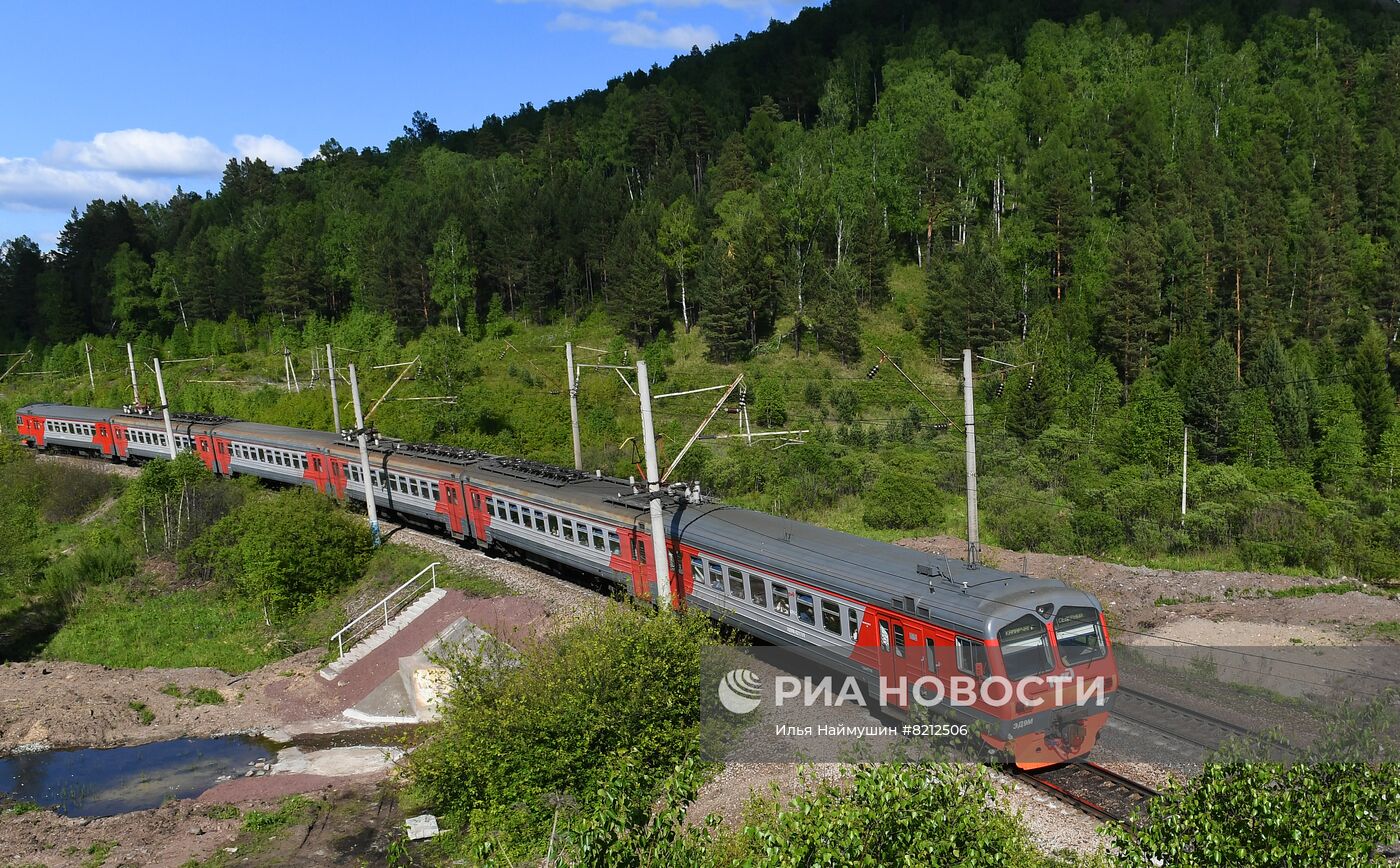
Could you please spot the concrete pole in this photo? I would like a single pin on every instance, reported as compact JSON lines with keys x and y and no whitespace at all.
{"x":165,"y":410}
{"x":974,"y":546}
{"x":659,"y":554}
{"x":370,"y":507}
{"x":287,"y":367}
{"x":335,"y":402}
{"x":1185,"y":441}
{"x":573,"y":404}
{"x":131,"y":363}
{"x":87,"y":349}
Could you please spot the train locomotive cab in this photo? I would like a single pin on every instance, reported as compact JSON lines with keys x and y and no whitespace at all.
{"x":1055,"y":678}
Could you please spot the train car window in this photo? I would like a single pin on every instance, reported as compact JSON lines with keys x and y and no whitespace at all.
{"x":970,"y":655}
{"x":451,"y":495}
{"x":899,"y":640}
{"x":781,"y":604}
{"x":884,"y":635}
{"x":852,"y":623}
{"x":758,"y":591}
{"x":831,"y":617}
{"x":736,"y":583}
{"x":806,"y":609}
{"x":514,"y":514}
{"x":697,"y":571}
{"x":476,"y":500}
{"x":1025,"y":650}
{"x":413,"y":487}
{"x":716,"y":576}
{"x":582,"y":535}
{"x":598,"y":539}
{"x":1078,"y":635}
{"x":262,"y":456}
{"x":490,"y":506}
{"x":539,"y":521}
{"x":569,"y":529}
{"x":642,"y":553}
{"x":553,"y":524}
{"x":930,"y":659}
{"x":614,"y":544}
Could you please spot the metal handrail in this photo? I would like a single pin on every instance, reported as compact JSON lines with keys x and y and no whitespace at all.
{"x":382,"y":607}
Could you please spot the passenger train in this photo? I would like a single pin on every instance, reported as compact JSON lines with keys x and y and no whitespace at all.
{"x":870,"y":609}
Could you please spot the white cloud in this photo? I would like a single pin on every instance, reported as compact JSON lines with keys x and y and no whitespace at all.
{"x":140,"y":152}
{"x":639,"y":34}
{"x":269,"y":149}
{"x":141,"y":164}
{"x":27,"y":184}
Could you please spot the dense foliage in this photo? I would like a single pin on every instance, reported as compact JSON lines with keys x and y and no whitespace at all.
{"x":1337,"y":802}
{"x":521,"y":745}
{"x":287,"y":551}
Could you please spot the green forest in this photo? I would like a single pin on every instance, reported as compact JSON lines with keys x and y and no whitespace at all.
{"x":1168,"y":218}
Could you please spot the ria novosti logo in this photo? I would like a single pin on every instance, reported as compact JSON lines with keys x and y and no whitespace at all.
{"x":740,"y":691}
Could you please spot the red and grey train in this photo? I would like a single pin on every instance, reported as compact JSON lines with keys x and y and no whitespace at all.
{"x":868,"y":608}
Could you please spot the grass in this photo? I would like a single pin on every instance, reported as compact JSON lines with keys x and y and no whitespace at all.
{"x":292,"y":809}
{"x":1385,"y":630}
{"x":1314,"y":590}
{"x":223,"y":812}
{"x":98,"y":852}
{"x":118,"y":626}
{"x":143,"y":712}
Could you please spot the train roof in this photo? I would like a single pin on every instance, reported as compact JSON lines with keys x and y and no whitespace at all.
{"x":981,"y":599}
{"x":68,"y":411}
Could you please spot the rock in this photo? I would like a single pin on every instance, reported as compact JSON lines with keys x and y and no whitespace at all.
{"x":421,"y":827}
{"x":196,"y":831}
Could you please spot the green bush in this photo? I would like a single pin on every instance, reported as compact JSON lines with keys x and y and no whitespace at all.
{"x":891,"y":814}
{"x":516,"y":741}
{"x":284,"y":550}
{"x":900,"y":500}
{"x":1096,"y":532}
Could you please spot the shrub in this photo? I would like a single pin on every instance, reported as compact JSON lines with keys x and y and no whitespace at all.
{"x":284,"y":550}
{"x":1335,"y":803}
{"x":1095,"y":531}
{"x":891,"y":814}
{"x":899,"y":500}
{"x":517,"y":741}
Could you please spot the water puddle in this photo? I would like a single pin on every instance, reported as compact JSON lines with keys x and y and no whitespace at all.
{"x":93,"y":782}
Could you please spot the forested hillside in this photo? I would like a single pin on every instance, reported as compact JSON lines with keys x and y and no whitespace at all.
{"x":1168,"y":214}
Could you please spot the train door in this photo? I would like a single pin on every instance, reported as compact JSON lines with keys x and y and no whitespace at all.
{"x":204,"y":448}
{"x":223,"y":456}
{"x":898,"y":644}
{"x":335,"y":475}
{"x":452,"y":504}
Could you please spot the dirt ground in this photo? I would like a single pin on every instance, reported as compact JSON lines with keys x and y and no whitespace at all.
{"x":57,"y":704}
{"x":348,"y":820}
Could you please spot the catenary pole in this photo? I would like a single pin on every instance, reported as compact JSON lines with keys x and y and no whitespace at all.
{"x":87,"y":350}
{"x":165,"y":410}
{"x":1185,"y":441}
{"x":974,"y":547}
{"x":335,"y":401}
{"x":370,"y":507}
{"x":573,"y":404}
{"x":658,"y":523}
{"x":131,"y":363}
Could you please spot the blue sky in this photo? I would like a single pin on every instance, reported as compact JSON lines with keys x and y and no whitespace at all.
{"x":108,"y":99}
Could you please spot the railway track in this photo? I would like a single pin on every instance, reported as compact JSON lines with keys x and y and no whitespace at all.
{"x":1184,"y":724}
{"x":1091,"y":788}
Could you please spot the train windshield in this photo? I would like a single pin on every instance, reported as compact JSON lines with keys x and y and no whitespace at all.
{"x":1024,"y":649}
{"x":1078,"y":634}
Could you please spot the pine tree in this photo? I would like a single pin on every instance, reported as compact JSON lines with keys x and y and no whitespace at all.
{"x":871,"y":254}
{"x":1273,"y":374}
{"x":724,"y":307}
{"x":1370,"y":385}
{"x":1131,"y":307}
{"x":636,"y":280}
{"x":836,"y":314}
{"x":1210,"y":391}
